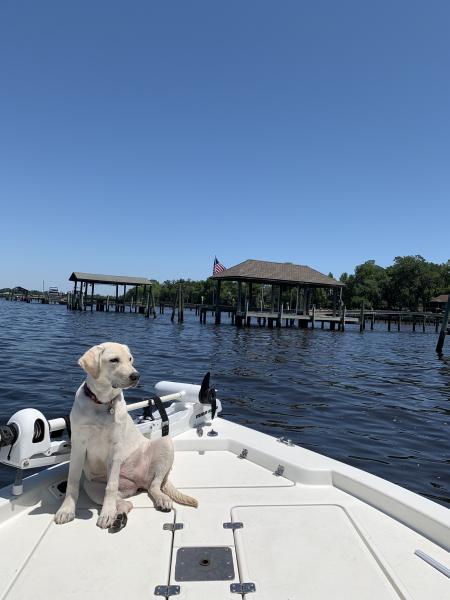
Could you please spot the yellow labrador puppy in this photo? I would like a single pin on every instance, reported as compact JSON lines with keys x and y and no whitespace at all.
{"x":117,"y":460}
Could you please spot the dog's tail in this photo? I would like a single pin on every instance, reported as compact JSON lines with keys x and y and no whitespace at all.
{"x":169,"y":489}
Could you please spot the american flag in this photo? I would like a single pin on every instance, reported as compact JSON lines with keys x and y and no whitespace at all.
{"x":217,"y":267}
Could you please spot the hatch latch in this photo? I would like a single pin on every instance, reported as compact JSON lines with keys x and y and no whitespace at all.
{"x":167,"y":590}
{"x":242,"y":588}
{"x":236,"y":525}
{"x":173,"y":526}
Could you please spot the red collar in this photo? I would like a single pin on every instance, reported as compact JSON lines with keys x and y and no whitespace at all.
{"x":90,"y":394}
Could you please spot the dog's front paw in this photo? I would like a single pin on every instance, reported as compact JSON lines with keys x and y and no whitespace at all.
{"x":106,"y":519}
{"x":65,"y":514}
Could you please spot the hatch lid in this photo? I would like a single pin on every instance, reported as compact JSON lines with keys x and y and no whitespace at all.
{"x":311,"y":551}
{"x":80,"y":561}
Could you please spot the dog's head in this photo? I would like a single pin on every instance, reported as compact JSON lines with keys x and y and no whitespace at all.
{"x":110,"y":363}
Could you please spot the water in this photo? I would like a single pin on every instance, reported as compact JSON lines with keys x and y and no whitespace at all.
{"x":379,"y":401}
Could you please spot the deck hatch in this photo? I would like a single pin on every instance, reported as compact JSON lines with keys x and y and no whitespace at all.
{"x":213,"y":563}
{"x":307,"y":552}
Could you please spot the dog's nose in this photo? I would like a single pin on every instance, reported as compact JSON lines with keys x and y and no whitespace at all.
{"x":134,"y":376}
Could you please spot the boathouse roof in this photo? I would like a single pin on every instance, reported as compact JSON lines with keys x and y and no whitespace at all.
{"x":263,"y":271}
{"x":109,"y":279}
{"x":442,"y":299}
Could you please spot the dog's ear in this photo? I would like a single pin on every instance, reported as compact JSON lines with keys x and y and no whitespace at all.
{"x":90,"y":361}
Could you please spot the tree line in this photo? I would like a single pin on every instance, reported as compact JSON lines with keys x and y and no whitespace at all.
{"x":409,"y":283}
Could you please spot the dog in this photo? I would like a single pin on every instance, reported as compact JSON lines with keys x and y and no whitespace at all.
{"x":117,"y":461}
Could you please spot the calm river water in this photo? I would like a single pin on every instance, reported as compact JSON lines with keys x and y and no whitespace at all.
{"x":379,"y":401}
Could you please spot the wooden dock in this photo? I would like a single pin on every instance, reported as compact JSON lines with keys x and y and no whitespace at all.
{"x":50,"y":297}
{"x":393,"y":320}
{"x":140,"y":292}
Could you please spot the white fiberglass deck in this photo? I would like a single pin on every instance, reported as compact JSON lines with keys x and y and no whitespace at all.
{"x":321,"y":531}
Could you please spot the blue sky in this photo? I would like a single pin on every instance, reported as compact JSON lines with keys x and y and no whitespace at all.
{"x":143,"y":138}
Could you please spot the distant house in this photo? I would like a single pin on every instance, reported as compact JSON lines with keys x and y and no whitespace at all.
{"x":20,"y":290}
{"x":439,"y":303}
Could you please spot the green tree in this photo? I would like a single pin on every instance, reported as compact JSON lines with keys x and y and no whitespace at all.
{"x":367,"y":285}
{"x":413,"y":282}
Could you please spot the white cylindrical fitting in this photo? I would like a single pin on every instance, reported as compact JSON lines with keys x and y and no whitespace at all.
{"x":57,"y":424}
{"x":163,"y":388}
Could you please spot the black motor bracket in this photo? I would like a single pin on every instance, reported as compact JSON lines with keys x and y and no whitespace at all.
{"x":207,"y":394}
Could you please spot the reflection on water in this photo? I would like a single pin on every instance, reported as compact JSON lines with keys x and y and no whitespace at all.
{"x":379,"y":401}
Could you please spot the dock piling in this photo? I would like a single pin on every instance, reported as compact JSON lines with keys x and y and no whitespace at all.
{"x":444,"y":326}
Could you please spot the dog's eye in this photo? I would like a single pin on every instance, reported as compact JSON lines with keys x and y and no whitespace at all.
{"x":114,"y":360}
{"x":130,"y":357}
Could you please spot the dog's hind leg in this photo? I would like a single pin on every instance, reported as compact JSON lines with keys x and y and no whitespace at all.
{"x":161,"y":500}
{"x":123,"y":508}
{"x":96,"y":492}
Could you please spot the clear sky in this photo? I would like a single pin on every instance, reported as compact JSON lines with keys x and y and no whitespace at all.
{"x":142,"y":138}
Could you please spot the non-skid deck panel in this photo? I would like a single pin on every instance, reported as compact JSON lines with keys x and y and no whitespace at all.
{"x":221,"y":468}
{"x":311,"y":552}
{"x":18,"y":538}
{"x":82,"y":562}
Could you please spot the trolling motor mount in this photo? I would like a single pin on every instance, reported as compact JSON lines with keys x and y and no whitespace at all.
{"x":207,"y":395}
{"x":26,"y":434}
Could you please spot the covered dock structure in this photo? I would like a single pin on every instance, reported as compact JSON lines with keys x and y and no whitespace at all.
{"x":273,"y":291}
{"x":141,"y":299}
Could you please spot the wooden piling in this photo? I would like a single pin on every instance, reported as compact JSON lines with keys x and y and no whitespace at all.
{"x":180,"y":305}
{"x":443,"y":332}
{"x":361,"y":318}
{"x":218,"y":313}
{"x":342,"y":318}
{"x":152,"y":303}
{"x":85,"y":295}
{"x":174,"y":306}
{"x":334,"y":301}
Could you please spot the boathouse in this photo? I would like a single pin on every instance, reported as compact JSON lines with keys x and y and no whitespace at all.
{"x":439,"y":303}
{"x":141,"y":300}
{"x":272,"y":291}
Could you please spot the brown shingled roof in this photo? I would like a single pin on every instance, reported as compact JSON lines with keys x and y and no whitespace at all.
{"x":440,"y":299}
{"x":263,"y":271}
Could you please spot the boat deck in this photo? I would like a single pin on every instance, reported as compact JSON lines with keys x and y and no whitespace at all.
{"x":306,"y":534}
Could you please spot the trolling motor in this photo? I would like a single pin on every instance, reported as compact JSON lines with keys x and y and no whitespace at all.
{"x":28,"y":440}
